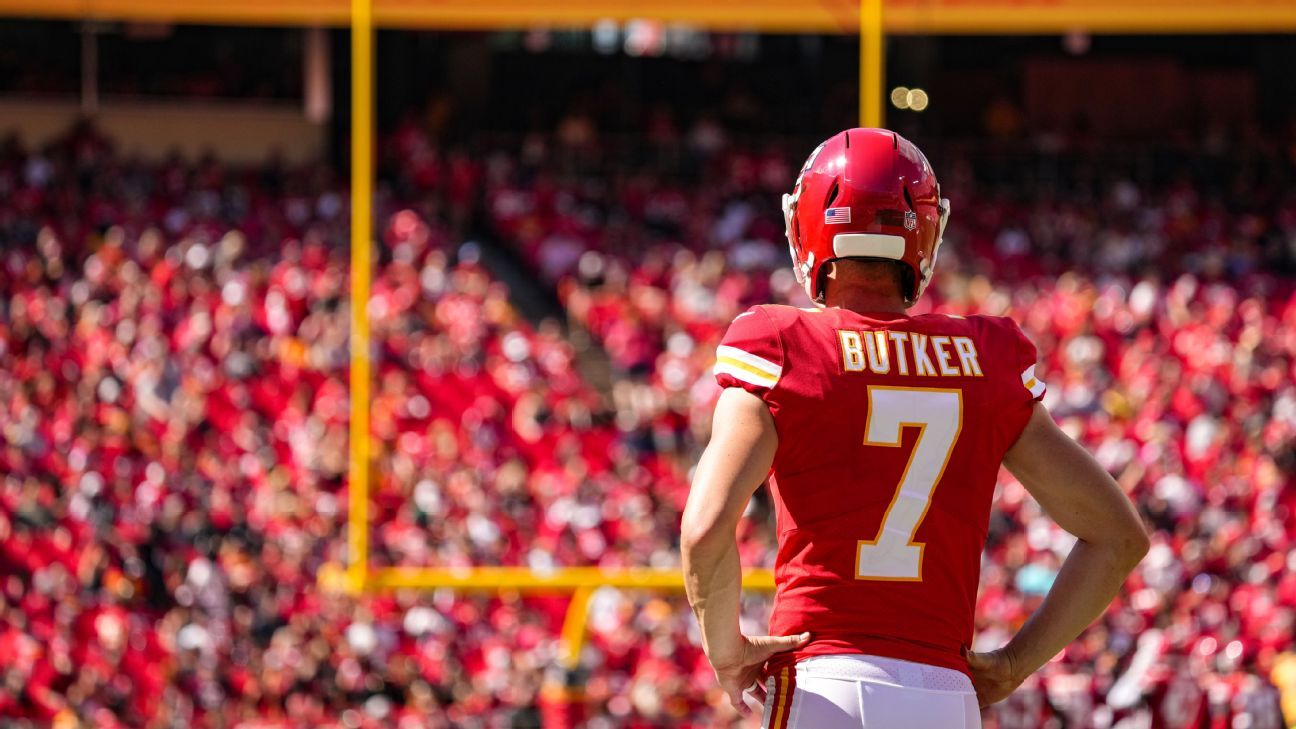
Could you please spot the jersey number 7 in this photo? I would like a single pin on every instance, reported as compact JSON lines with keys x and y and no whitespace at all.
{"x":938,"y":415}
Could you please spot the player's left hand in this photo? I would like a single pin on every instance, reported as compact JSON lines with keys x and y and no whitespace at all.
{"x":742,"y":671}
{"x":993,"y":676}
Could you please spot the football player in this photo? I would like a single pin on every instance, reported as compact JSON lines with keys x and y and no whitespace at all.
{"x":881,"y":435}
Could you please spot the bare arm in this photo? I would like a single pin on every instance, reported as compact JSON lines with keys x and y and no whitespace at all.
{"x":1084,"y":500}
{"x":734,"y":465}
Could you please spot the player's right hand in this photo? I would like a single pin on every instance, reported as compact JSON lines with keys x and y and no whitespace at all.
{"x":993,"y":676}
{"x":742,"y":671}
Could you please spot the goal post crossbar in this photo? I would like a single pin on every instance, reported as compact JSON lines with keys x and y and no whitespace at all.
{"x":579,"y":582}
{"x":523,"y":579}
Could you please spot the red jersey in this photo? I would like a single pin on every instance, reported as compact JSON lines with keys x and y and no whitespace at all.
{"x":891,"y":432}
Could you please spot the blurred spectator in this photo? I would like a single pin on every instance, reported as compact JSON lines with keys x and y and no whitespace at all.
{"x":173,"y":383}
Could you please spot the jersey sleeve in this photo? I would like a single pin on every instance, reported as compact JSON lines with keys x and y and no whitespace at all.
{"x":1022,"y":384}
{"x":1025,"y":359}
{"x":750,"y":355}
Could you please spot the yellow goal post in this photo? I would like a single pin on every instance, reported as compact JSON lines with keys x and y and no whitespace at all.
{"x":580,"y":582}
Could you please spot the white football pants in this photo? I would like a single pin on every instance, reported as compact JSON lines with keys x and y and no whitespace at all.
{"x":869,"y":692}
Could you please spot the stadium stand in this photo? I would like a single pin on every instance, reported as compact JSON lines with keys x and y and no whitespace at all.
{"x":173,"y":390}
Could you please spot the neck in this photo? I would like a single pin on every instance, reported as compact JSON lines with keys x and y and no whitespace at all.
{"x":864,"y":301}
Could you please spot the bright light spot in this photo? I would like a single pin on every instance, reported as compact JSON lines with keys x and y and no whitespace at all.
{"x":606,"y":37}
{"x":1234,"y":650}
{"x":1207,"y":646}
{"x":917,"y":99}
{"x":900,"y":97}
{"x":644,"y":38}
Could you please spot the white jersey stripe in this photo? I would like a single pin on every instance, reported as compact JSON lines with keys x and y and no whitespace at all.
{"x":1033,"y":383}
{"x":748,"y":358}
{"x":745,"y":374}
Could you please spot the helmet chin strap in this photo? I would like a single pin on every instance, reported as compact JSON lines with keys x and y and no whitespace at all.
{"x":800,"y":269}
{"x":803,"y":275}
{"x":929,"y":267}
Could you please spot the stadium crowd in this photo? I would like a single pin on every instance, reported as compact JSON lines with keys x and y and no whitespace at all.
{"x":173,"y":406}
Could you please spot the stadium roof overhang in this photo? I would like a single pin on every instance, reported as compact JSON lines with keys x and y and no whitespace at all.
{"x":778,"y":16}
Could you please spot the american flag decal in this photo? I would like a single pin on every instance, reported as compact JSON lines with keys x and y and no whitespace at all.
{"x":836,"y":215}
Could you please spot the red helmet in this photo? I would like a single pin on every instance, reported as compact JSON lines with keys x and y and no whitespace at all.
{"x":865,"y":193}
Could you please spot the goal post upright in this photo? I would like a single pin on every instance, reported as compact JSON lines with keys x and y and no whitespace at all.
{"x":357,"y":577}
{"x":362,"y":113}
{"x":872,"y":64}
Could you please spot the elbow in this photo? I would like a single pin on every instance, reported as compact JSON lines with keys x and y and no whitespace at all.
{"x":698,"y":537}
{"x":1125,"y":546}
{"x":1144,"y":543}
{"x":693,"y":539}
{"x":1133,"y":546}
